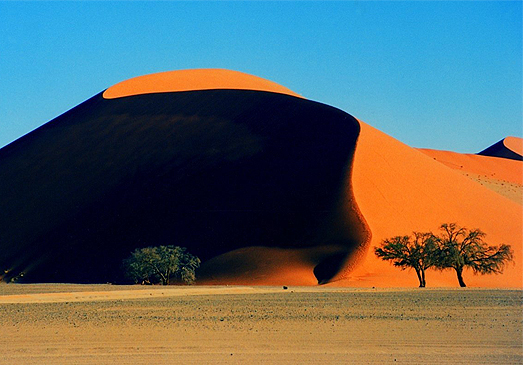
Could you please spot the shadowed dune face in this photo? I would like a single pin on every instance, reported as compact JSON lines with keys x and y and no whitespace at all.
{"x":230,"y":174}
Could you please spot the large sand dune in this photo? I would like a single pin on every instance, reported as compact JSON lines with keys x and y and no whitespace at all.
{"x":263,"y":185}
{"x":253,"y":182}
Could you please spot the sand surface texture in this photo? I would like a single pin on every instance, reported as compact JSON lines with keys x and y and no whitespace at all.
{"x":501,"y":175}
{"x":121,"y":325}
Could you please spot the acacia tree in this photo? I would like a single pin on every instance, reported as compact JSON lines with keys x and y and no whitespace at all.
{"x":410,"y":252}
{"x":459,"y":248}
{"x":151,"y":265}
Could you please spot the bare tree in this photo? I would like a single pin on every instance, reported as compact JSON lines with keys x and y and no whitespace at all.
{"x":151,"y":265}
{"x":415,"y":252}
{"x":459,"y":248}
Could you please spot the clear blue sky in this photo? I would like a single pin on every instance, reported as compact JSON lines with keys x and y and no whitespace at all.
{"x":443,"y":75}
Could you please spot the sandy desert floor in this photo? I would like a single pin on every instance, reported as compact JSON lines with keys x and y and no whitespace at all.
{"x":104,"y":324}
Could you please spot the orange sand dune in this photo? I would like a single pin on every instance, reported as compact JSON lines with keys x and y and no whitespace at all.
{"x":250,"y":181}
{"x":190,"y":80}
{"x":493,"y":167}
{"x":264,"y":186}
{"x":400,"y":189}
{"x":502,"y":175}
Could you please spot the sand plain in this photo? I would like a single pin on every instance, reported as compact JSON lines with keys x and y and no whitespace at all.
{"x":104,"y":324}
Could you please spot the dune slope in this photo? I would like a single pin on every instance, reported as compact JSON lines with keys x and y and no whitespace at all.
{"x":400,"y":189}
{"x":502,"y":175}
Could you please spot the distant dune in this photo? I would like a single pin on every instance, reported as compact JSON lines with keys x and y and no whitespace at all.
{"x":510,"y":147}
{"x":266,"y":187}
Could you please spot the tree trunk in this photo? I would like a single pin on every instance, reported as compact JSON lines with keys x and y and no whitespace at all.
{"x":423,"y":278}
{"x":459,"y":272}
{"x":421,"y":281}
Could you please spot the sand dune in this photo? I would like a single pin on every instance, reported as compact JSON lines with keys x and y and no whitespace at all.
{"x":264,"y":186}
{"x":501,"y":169}
{"x":400,"y":189}
{"x":510,"y":147}
{"x":502,"y":175}
{"x":234,"y":175}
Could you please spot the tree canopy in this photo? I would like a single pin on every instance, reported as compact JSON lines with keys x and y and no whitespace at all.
{"x":151,"y":265}
{"x":455,"y":248}
{"x":416,"y":252}
{"x":460,"y":247}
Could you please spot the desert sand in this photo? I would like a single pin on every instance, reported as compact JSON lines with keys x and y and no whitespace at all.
{"x":400,"y":189}
{"x":103,"y":324}
{"x":502,"y":175}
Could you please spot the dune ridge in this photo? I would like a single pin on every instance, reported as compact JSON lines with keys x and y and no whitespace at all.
{"x":510,"y":147}
{"x":191,"y":80}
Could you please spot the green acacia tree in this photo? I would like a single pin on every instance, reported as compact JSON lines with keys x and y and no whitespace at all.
{"x":160,"y":264}
{"x":416,"y":252}
{"x":460,"y":247}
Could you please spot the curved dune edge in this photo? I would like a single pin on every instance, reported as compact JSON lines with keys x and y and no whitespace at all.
{"x":508,"y":148}
{"x":514,"y":144}
{"x":191,"y":80}
{"x":400,"y":190}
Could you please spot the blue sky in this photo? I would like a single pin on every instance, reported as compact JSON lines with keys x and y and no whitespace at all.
{"x":442,"y":75}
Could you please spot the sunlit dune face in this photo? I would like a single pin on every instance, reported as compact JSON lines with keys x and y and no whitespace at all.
{"x":191,"y":80}
{"x":502,"y":169}
{"x":400,"y":190}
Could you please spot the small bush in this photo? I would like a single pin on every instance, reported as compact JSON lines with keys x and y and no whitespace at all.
{"x":152,"y":265}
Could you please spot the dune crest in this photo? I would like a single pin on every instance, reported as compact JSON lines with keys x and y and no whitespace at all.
{"x":190,"y":80}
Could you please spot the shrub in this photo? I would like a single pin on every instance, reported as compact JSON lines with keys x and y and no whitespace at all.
{"x":151,"y":265}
